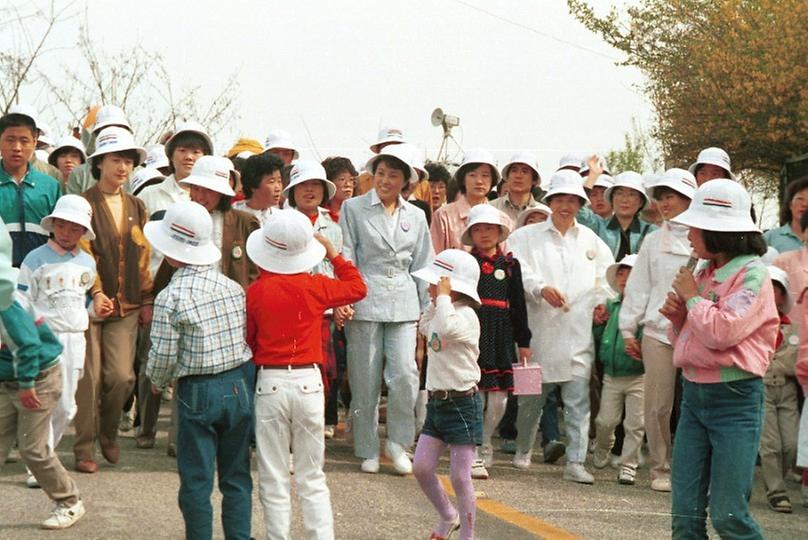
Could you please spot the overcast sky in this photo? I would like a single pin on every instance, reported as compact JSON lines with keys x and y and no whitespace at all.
{"x":521,"y":75}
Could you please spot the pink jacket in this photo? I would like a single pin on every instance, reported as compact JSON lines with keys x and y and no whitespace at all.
{"x":730,"y":332}
{"x":801,"y":369}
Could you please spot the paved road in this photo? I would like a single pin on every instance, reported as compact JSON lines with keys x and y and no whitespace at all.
{"x":137,"y":499}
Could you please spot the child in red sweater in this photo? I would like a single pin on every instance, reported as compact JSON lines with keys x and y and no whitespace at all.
{"x":284,"y":320}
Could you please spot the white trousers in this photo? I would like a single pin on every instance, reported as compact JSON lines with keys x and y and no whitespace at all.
{"x":72,"y":362}
{"x":289,"y":413}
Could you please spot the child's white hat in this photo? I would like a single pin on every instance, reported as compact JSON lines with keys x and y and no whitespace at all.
{"x":388,"y":134}
{"x":280,"y":138}
{"x":713,"y":156}
{"x":403,"y":152}
{"x":525,"y":158}
{"x":189,"y":127}
{"x":213,"y":173}
{"x":285,"y":244}
{"x":72,"y":208}
{"x":460,"y":267}
{"x":719,"y":205}
{"x":611,"y":272}
{"x":779,"y":275}
{"x":307,"y":169}
{"x":630,"y":180}
{"x":184,"y":234}
{"x":110,"y":115}
{"x":116,"y":139}
{"x":143,"y":177}
{"x":527,"y":212}
{"x":156,"y":156}
{"x":679,"y":180}
{"x":485,"y":213}
{"x":480,"y":156}
{"x":566,"y":182}
{"x":68,"y":142}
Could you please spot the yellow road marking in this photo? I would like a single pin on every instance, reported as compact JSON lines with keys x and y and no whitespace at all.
{"x":515,"y":517}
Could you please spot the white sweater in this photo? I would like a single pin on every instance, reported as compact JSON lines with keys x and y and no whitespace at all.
{"x":452,"y":334}
{"x":575,"y":264}
{"x":663,"y":252}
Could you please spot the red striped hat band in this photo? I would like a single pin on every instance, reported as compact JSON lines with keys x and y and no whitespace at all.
{"x":275,"y":243}
{"x":441,"y":264}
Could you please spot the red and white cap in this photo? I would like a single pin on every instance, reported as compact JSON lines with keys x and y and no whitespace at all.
{"x":679,"y":180}
{"x":388,"y":134}
{"x":719,"y":205}
{"x":285,"y":244}
{"x":116,"y":139}
{"x":307,"y":169}
{"x":213,"y":173}
{"x":184,"y":234}
{"x":460,"y":267}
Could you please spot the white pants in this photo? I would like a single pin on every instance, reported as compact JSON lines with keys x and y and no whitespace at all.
{"x":617,"y":393}
{"x":72,"y":362}
{"x":289,"y":412}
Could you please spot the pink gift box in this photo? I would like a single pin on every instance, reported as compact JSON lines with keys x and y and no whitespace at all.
{"x":527,"y":380}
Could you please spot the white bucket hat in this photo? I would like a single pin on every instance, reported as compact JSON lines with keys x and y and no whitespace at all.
{"x":713,"y":156}
{"x":44,"y":134}
{"x":585,"y":166}
{"x":280,"y":138}
{"x":566,"y":182}
{"x":68,"y":142}
{"x":388,"y":134}
{"x":156,"y":156}
{"x":679,"y":180}
{"x":116,"y":139}
{"x":525,"y":158}
{"x":779,"y":275}
{"x":527,"y":212}
{"x":604,"y":180}
{"x":631,"y":180}
{"x":571,"y":162}
{"x":144,"y":176}
{"x":184,"y":234}
{"x":460,"y":267}
{"x":72,"y":208}
{"x":110,"y":115}
{"x":189,"y":127}
{"x":403,"y":152}
{"x":213,"y":173}
{"x":485,"y":213}
{"x":306,"y":169}
{"x":24,"y":109}
{"x":285,"y":244}
{"x":480,"y":156}
{"x":721,"y":205}
{"x":611,"y":272}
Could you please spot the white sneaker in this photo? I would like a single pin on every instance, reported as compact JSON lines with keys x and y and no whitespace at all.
{"x":478,"y":470}
{"x":31,"y":482}
{"x":64,"y":516}
{"x":663,"y":483}
{"x":575,"y":472}
{"x":370,"y":465}
{"x":486,"y":453}
{"x":521,"y":461}
{"x":600,"y":458}
{"x":627,"y":475}
{"x":291,"y":463}
{"x":401,"y":463}
{"x":328,"y":432}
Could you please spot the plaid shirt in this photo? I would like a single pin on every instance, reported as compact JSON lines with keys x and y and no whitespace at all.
{"x":198,"y":326}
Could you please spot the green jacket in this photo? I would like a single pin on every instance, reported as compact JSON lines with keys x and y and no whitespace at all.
{"x":28,"y":347}
{"x":611,"y":348}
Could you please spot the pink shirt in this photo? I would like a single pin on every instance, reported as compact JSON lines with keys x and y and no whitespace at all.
{"x":801,"y":369}
{"x":730,"y":332}
{"x":449,"y":222}
{"x":795,"y":264}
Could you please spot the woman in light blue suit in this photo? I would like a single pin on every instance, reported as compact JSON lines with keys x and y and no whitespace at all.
{"x":386,"y":238}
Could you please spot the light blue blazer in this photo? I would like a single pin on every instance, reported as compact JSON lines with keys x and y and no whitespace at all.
{"x":386,"y":260}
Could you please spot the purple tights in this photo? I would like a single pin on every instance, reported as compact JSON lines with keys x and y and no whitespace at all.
{"x":427,"y":454}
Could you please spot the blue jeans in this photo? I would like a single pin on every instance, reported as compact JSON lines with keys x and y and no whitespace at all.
{"x":549,"y":420}
{"x":714,"y":458}
{"x":214,"y":427}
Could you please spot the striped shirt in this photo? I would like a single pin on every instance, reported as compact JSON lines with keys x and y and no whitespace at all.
{"x":198,"y":327}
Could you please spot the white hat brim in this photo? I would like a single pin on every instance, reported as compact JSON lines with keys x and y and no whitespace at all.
{"x":675,"y":186}
{"x":140,"y":152}
{"x":692,"y":168}
{"x":219,"y":186}
{"x":432,"y":277}
{"x":579,"y":191}
{"x":47,"y":223}
{"x":201,"y":255}
{"x":413,"y":173}
{"x":465,"y":238}
{"x":277,"y":262}
{"x":609,"y":190}
{"x":694,"y":217}
{"x":331,"y":189}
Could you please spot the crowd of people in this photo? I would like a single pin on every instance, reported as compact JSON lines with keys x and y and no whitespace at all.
{"x":275,"y":296}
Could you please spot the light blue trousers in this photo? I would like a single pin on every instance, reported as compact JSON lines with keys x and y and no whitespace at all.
{"x":376,"y":350}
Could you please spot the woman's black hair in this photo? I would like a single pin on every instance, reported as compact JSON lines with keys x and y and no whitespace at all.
{"x":452,"y":190}
{"x":18,"y":120}
{"x":291,"y":197}
{"x":188,"y":140}
{"x":461,"y":173}
{"x":734,"y":244}
{"x":336,"y":165}
{"x":96,"y":171}
{"x":804,"y":221}
{"x":225,"y":203}
{"x":791,"y":190}
{"x":438,"y":173}
{"x":255,"y":168}
{"x":427,"y":210}
{"x":395,"y":164}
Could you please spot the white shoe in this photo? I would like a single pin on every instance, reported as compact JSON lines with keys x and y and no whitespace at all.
{"x":64,"y":516}
{"x":486,"y":453}
{"x":401,"y":463}
{"x":600,"y":458}
{"x":575,"y":472}
{"x":663,"y":483}
{"x":627,"y":475}
{"x":521,"y":461}
{"x":328,"y":432}
{"x":478,"y":470}
{"x":291,"y":463}
{"x":370,"y":465}
{"x":31,"y":482}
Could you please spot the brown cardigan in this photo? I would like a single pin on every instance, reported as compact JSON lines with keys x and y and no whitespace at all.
{"x":122,"y":259}
{"x":236,"y":227}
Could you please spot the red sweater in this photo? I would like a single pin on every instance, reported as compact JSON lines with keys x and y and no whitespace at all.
{"x":285,"y":312}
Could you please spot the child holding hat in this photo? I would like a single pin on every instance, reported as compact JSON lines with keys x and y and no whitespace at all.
{"x":287,"y":350}
{"x":198,"y":339}
{"x":724,"y":325}
{"x":503,"y":319}
{"x":454,"y":411}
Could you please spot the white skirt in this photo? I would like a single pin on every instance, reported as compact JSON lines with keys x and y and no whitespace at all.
{"x":802,"y":445}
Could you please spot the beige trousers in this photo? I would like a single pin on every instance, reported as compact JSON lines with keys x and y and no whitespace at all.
{"x":31,"y":429}
{"x":109,"y":377}
{"x":616,"y":393}
{"x":778,"y":442}
{"x":660,"y":386}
